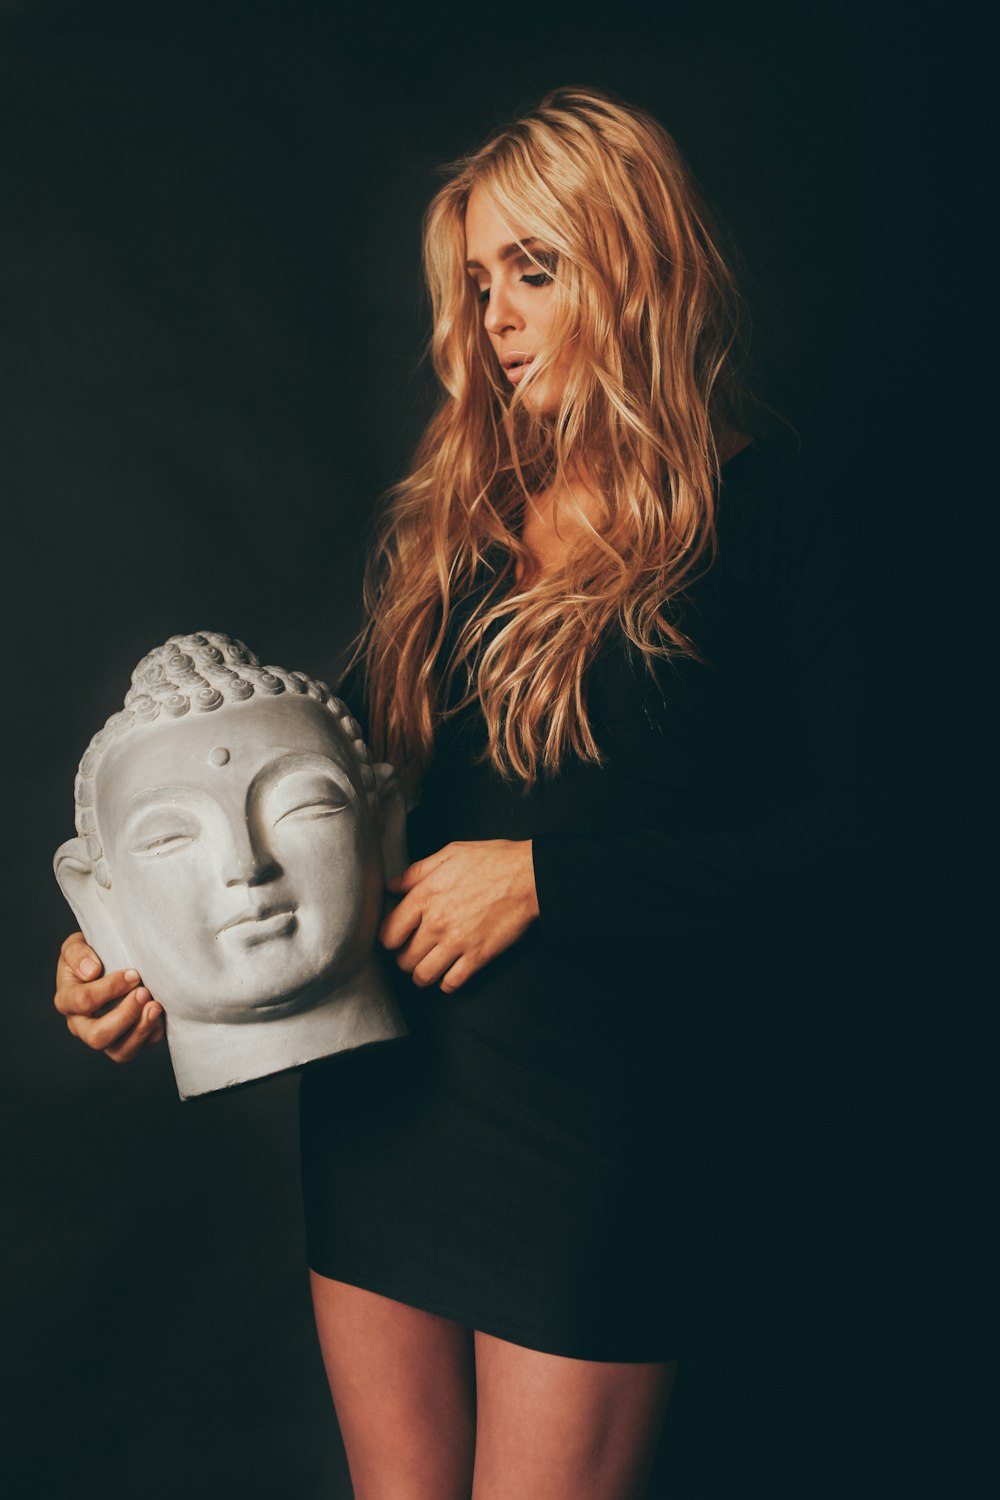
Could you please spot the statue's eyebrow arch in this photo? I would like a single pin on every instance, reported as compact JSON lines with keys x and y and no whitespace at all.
{"x":288,"y":761}
{"x":285,"y":761}
{"x":152,"y":796}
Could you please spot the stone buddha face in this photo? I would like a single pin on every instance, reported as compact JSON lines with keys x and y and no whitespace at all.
{"x":234,"y":842}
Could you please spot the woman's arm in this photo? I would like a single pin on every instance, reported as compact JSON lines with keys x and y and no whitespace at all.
{"x":460,"y":906}
{"x":659,"y":878}
{"x":654,"y":873}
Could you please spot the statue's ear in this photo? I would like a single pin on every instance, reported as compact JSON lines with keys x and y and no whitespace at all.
{"x":91,"y":905}
{"x":392,"y":819}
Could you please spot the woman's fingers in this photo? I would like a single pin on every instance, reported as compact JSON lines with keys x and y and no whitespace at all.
{"x":85,"y":998}
{"x":111,"y":1013}
{"x":430,"y":968}
{"x":459,"y":972}
{"x":111,"y":1028}
{"x":462,"y":906}
{"x":400,"y":923}
{"x":79,"y":957}
{"x":146,"y":1031}
{"x":418,"y":947}
{"x":425,"y":958}
{"x":81,"y":989}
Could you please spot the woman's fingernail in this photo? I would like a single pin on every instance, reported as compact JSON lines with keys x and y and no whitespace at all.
{"x":153,"y":1013}
{"x":142,"y":995}
{"x":131,"y":975}
{"x":88,"y":968}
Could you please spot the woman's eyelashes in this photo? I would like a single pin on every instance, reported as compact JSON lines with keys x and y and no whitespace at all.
{"x":531,"y":278}
{"x":539,"y":278}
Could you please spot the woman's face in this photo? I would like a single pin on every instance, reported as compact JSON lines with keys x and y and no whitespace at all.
{"x":518,"y":299}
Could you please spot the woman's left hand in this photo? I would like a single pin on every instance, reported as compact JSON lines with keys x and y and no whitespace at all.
{"x":460,"y":908}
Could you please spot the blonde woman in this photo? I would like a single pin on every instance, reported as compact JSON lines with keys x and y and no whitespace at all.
{"x":599,"y":641}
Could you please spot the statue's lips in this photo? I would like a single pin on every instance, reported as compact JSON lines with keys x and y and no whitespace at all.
{"x":256,"y":926}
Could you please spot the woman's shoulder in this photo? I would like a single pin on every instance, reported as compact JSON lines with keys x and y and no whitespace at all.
{"x":779,"y":504}
{"x":756,"y":480}
{"x":787,"y":566}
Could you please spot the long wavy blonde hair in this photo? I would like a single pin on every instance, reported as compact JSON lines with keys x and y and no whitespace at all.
{"x":650,"y":309}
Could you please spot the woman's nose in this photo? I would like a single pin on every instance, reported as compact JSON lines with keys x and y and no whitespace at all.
{"x":501,"y":312}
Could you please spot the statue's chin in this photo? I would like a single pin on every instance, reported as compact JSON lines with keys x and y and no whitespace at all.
{"x":216,"y":1051}
{"x":257,"y":992}
{"x":239,"y":1010}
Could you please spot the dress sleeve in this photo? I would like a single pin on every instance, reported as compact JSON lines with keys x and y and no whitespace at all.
{"x":660,"y":875}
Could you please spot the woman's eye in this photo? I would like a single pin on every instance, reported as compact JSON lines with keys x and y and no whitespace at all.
{"x":548,"y":261}
{"x":316,"y":807}
{"x":484,"y":295}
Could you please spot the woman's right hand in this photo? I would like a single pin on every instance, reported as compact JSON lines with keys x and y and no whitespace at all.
{"x":132,"y":1020}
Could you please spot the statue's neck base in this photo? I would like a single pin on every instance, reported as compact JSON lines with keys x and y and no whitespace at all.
{"x":209,"y":1056}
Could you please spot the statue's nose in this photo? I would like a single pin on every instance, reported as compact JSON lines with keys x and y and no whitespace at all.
{"x":246,"y":859}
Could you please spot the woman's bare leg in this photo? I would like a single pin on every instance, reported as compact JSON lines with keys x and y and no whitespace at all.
{"x":403,"y":1384}
{"x":559,"y":1429}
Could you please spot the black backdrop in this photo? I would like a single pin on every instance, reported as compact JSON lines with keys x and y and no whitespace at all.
{"x":212,"y":317}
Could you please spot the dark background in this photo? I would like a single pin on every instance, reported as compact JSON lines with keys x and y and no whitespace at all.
{"x":212,"y":319}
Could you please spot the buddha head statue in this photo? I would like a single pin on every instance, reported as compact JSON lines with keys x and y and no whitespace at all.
{"x":233,"y":842}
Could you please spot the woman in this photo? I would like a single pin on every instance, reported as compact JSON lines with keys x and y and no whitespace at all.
{"x":602,"y":633}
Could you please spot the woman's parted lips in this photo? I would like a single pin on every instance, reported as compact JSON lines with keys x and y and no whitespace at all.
{"x":515,"y":358}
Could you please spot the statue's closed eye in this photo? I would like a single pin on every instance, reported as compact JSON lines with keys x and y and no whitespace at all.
{"x":163,"y":843}
{"x":315,"y":807}
{"x":306,"y":794}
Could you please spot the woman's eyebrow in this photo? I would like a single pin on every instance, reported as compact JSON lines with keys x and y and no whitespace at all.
{"x":504,"y":253}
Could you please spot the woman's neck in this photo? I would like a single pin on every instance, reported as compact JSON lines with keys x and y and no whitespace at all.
{"x":556,"y":518}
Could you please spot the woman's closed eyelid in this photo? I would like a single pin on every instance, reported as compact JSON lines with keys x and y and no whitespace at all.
{"x":547,"y":260}
{"x":533,"y":278}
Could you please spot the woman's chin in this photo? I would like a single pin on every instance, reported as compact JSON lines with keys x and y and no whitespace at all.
{"x":540,"y":402}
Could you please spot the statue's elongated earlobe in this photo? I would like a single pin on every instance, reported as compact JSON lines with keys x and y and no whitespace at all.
{"x":76,"y":872}
{"x":392,"y":819}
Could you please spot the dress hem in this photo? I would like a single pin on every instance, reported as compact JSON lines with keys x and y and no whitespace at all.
{"x":494,"y":1329}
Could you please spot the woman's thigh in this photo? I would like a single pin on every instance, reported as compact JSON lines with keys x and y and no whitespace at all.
{"x":551,"y":1428}
{"x":403,"y":1384}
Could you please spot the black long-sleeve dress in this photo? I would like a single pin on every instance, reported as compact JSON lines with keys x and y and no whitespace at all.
{"x":525,"y":1163}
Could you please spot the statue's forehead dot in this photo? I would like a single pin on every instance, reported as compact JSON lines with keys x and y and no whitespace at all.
{"x":219,"y":756}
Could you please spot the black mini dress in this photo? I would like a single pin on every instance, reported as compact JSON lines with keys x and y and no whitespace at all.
{"x":529,"y":1160}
